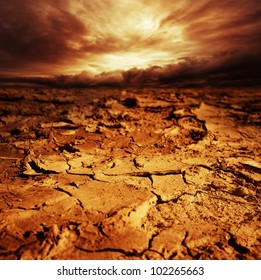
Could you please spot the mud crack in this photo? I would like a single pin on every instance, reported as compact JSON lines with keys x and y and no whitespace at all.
{"x":150,"y":246}
{"x":147,"y":173}
{"x":133,"y":253}
{"x":38,"y":169}
{"x":64,"y":191}
{"x":176,"y":199}
{"x":237,"y":247}
{"x":186,"y":246}
{"x":71,"y":195}
{"x":99,"y":226}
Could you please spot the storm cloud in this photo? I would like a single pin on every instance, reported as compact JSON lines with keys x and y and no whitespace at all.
{"x":131,"y":42}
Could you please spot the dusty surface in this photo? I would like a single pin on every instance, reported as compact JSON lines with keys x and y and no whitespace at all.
{"x":130,"y":174}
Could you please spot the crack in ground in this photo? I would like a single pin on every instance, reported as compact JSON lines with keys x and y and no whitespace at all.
{"x":32,"y":208}
{"x":90,"y":175}
{"x":240,"y":175}
{"x":205,"y":166}
{"x":133,"y":253}
{"x":116,"y":250}
{"x":99,"y":226}
{"x":147,"y":173}
{"x":150,"y":245}
{"x":80,"y":203}
{"x":38,"y":169}
{"x":64,"y":191}
{"x":236,"y":246}
{"x":232,"y":200}
{"x":183,"y":173}
{"x":69,"y":165}
{"x":186,"y":246}
{"x":174,"y":200}
{"x":17,"y":252}
{"x":69,"y":194}
{"x":213,"y":186}
{"x":9,"y":205}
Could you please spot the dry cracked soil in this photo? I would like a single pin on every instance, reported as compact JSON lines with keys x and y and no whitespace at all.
{"x":130,"y":173}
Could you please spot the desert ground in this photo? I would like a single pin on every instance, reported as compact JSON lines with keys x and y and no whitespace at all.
{"x":134,"y":173}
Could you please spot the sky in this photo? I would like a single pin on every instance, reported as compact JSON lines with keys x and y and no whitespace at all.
{"x":131,"y":41}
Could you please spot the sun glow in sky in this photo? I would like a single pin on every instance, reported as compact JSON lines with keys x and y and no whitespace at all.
{"x":129,"y":60}
{"x":138,"y":41}
{"x":148,"y":25}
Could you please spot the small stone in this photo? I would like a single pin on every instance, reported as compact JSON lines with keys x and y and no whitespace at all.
{"x":130,"y":102}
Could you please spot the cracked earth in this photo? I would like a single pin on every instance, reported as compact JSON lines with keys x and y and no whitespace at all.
{"x":130,"y":174}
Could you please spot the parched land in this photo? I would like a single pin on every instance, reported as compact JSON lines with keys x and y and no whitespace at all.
{"x":130,"y":174}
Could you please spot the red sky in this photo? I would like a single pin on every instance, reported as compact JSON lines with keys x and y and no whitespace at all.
{"x":131,"y":40}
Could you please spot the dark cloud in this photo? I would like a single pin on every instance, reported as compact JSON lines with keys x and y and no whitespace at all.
{"x":84,"y":79}
{"x":214,"y":26}
{"x":37,"y":32}
{"x":220,"y":69}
